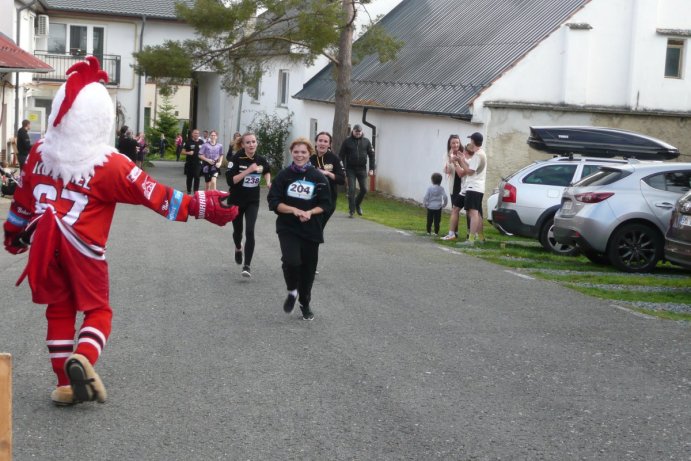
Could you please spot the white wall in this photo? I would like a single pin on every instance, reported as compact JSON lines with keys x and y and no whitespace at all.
{"x":409,"y":147}
{"x":619,"y":62}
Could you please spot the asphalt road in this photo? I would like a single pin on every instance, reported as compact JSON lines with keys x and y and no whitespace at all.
{"x":416,"y":352}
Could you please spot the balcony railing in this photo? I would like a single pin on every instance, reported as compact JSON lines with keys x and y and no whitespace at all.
{"x":61,"y":62}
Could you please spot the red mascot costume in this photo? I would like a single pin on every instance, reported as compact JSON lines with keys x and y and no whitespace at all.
{"x":64,"y":206}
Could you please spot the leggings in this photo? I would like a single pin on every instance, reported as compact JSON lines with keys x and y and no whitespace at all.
{"x":433,"y":216}
{"x":249,"y":213}
{"x":193,"y":172}
{"x":300,"y":258}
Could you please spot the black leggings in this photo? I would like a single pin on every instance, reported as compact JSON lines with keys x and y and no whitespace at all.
{"x":433,"y":216}
{"x":193,"y":170}
{"x":300,"y":258}
{"x":249,"y":212}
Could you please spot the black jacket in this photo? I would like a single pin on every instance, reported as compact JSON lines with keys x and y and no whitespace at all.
{"x":355,"y":151}
{"x":23,"y":142}
{"x":304,"y":191}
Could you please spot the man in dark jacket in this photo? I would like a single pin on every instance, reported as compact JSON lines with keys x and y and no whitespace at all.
{"x":128,"y":146}
{"x":354,"y":153}
{"x":23,"y":142}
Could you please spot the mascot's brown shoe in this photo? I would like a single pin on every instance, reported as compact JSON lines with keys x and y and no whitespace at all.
{"x":86,"y":384}
{"x":62,"y":396}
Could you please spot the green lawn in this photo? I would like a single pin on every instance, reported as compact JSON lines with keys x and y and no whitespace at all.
{"x":666,"y":286}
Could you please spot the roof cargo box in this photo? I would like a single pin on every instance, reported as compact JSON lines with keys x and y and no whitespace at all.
{"x":599,"y":142}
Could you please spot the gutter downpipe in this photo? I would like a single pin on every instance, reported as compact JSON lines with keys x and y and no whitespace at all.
{"x":373,"y":178}
{"x":16,"y":75}
{"x":139,"y":86}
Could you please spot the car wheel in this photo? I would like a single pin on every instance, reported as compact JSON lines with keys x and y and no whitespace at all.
{"x":595,"y":257}
{"x":635,"y":248}
{"x":549,"y":243}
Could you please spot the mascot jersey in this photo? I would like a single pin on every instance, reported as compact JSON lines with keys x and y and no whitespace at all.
{"x":72,"y":220}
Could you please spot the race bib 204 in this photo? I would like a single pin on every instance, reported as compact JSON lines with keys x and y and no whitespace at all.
{"x":303,"y":190}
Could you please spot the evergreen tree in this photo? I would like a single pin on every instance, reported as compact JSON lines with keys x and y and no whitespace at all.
{"x":238,"y":38}
{"x":165,"y":123}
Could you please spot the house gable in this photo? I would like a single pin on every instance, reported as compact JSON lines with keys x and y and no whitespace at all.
{"x":453,"y":50}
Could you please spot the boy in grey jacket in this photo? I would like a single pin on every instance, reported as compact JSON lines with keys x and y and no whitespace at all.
{"x":435,"y":199}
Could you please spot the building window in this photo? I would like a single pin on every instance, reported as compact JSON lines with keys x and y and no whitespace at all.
{"x":147,"y":117}
{"x":674,"y":59}
{"x":313,"y":128}
{"x":283,"y":88}
{"x":57,"y":38}
{"x":77,"y":40}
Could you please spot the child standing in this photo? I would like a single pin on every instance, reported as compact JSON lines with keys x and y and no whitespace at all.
{"x":435,"y":199}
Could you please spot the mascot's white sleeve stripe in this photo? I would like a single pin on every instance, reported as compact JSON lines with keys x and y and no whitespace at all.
{"x":91,"y":341}
{"x":202,"y":205}
{"x":60,"y":342}
{"x":95,"y":332}
{"x":60,"y":355}
{"x":90,"y":251}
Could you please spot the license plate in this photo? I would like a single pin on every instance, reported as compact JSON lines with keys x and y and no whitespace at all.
{"x":684,"y":220}
{"x":567,"y":205}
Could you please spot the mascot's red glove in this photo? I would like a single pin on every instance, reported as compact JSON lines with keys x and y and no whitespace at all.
{"x":16,"y":240}
{"x":208,"y":205}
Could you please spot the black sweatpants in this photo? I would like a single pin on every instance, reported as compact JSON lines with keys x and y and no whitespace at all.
{"x":433,"y":216}
{"x":300,"y":258}
{"x":249,"y":213}
{"x":192,"y":171}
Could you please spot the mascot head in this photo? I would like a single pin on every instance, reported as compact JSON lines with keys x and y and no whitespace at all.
{"x":80,"y":125}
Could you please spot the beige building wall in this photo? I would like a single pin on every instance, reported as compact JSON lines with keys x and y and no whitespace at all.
{"x":180,"y":100}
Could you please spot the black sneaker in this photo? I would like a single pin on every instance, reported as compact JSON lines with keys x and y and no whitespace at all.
{"x":246,"y":271}
{"x":306,"y":313}
{"x":359,"y":211}
{"x":289,"y":304}
{"x":238,"y":256}
{"x":350,"y":214}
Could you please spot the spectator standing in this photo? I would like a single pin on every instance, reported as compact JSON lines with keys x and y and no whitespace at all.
{"x":23,"y":142}
{"x":128,"y":146}
{"x":162,"y":144}
{"x":454,"y":181}
{"x":193,"y":166}
{"x":178,"y":146}
{"x":475,"y":169}
{"x":299,"y":193}
{"x":330,"y":166}
{"x":435,"y":199}
{"x":355,"y":151}
{"x":142,"y":149}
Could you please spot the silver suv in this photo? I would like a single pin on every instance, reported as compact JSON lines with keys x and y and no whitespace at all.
{"x":620,"y":214}
{"x":528,"y":199}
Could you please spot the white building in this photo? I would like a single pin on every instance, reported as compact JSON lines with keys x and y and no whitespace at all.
{"x":500,"y":67}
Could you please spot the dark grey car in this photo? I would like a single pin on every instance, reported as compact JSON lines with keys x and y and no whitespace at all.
{"x":678,"y":238}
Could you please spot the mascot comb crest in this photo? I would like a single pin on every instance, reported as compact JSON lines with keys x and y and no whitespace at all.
{"x":80,"y":75}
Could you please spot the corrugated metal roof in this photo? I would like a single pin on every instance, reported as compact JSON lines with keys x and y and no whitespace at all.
{"x":453,"y":49}
{"x":15,"y":59}
{"x":162,"y":9}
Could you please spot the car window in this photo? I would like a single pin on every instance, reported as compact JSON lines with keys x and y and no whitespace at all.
{"x":671,"y":181}
{"x":603,"y":177}
{"x":551,"y":175}
{"x":589,"y":169}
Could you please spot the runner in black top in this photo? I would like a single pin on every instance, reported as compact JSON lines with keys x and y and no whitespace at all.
{"x":245,"y":169}
{"x":193,"y":166}
{"x":330,"y":166}
{"x":298,"y":194}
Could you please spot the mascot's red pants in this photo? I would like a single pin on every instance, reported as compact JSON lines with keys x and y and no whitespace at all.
{"x":70,"y":277}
